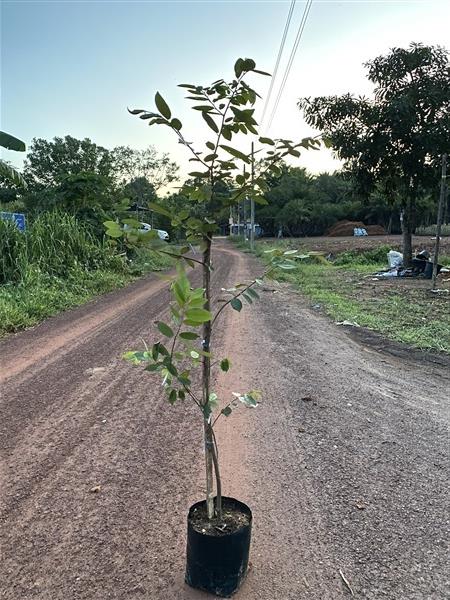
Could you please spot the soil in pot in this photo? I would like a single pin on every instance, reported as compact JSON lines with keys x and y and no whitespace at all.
{"x":218,"y":550}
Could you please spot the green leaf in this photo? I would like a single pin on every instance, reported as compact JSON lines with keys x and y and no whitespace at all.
{"x":236,"y":153}
{"x":161,"y":349}
{"x":130,"y":356}
{"x":159,"y":209}
{"x":253,"y":293}
{"x":136,"y":356}
{"x":260,"y":199}
{"x":210,"y":145}
{"x":165,"y":329}
{"x":213,"y":400}
{"x":199,"y":315}
{"x":153,"y":367}
{"x":178,"y":293}
{"x":266,"y":140}
{"x":171,"y":367}
{"x":236,"y":304}
{"x":132,"y":222}
{"x":210,"y":122}
{"x":173,"y":396}
{"x":261,"y":72}
{"x":248,"y":297}
{"x":11,"y":143}
{"x":114,"y":233}
{"x":250,"y":399}
{"x":176,"y":124}
{"x":12,"y":174}
{"x":136,"y":111}
{"x":188,"y":335}
{"x":225,"y":364}
{"x":227,"y":411}
{"x":204,"y":107}
{"x":162,"y":106}
{"x":198,"y":174}
{"x":239,"y":67}
{"x":249,"y":64}
{"x":226,"y":132}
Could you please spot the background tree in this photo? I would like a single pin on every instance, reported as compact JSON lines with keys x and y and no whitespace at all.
{"x":400,"y":133}
{"x":49,"y":162}
{"x":131,"y":164}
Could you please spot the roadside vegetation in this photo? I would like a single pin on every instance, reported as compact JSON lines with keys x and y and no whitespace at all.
{"x":57,"y":264}
{"x":401,"y":309}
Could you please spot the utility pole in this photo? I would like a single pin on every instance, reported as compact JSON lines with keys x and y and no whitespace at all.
{"x":239,"y":218}
{"x":439,"y":218}
{"x":244,"y":203}
{"x":244,"y":211}
{"x":252,"y":203}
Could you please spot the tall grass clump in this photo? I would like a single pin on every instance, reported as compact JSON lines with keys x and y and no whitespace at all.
{"x":13,"y":253}
{"x":58,"y":242}
{"x":432,"y":230}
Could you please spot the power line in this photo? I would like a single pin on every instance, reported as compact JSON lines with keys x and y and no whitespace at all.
{"x":291,"y":59}
{"x":277,"y":63}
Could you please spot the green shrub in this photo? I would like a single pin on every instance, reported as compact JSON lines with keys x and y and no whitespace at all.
{"x":366,"y":257}
{"x":13,"y":252}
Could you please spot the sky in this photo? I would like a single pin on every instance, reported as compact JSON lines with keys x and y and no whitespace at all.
{"x":73,"y":67}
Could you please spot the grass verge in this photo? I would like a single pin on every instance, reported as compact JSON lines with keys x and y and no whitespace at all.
{"x":40,"y":295}
{"x":402,"y":309}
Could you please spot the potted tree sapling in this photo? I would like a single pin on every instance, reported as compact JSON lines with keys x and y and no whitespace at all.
{"x":219,"y":527}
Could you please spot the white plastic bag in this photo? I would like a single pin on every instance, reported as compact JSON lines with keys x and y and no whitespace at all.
{"x":395,"y":259}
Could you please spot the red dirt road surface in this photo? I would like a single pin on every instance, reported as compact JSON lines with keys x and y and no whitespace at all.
{"x":344,"y":463}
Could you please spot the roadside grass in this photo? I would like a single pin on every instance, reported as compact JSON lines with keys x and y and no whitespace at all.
{"x":40,"y":295}
{"x":401,"y":309}
{"x":58,"y":263}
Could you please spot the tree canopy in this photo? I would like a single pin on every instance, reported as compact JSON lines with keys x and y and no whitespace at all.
{"x":398,"y":135}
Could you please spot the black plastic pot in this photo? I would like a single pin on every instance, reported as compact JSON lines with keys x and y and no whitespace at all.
{"x":218,"y":564}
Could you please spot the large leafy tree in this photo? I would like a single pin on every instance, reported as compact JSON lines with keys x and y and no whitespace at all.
{"x":399,"y":134}
{"x":131,"y":164}
{"x":48,"y":162}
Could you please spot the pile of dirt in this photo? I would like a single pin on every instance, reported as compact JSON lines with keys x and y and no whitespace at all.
{"x":375,"y":230}
{"x":345,"y":228}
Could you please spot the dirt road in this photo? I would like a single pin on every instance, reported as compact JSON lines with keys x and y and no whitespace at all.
{"x":344,"y":462}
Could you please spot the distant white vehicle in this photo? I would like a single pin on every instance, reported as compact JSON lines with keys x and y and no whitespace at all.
{"x":161,"y":232}
{"x":146,"y":227}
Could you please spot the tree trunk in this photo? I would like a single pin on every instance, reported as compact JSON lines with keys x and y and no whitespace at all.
{"x":206,"y":376}
{"x":389,"y":225}
{"x":408,"y":228}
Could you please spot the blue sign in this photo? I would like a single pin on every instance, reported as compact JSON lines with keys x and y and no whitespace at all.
{"x":18,"y":218}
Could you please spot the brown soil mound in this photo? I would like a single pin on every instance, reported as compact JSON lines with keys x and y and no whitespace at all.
{"x":375,"y":230}
{"x":345,"y":228}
